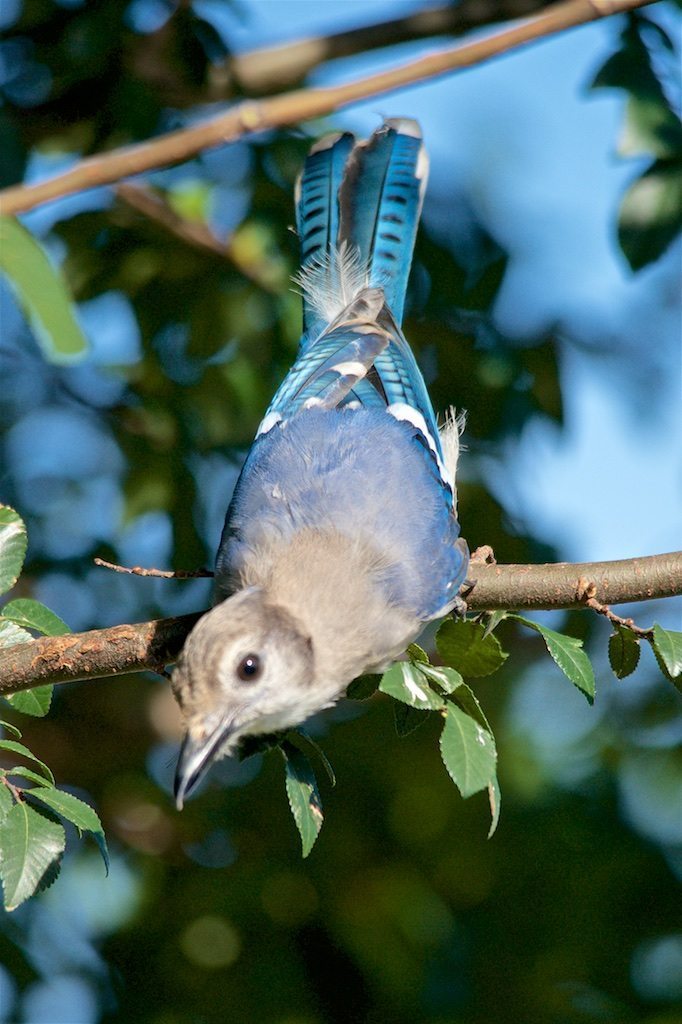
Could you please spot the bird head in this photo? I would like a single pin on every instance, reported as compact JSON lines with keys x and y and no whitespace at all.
{"x":246,"y":669}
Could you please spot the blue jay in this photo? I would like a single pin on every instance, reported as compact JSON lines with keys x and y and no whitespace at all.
{"x":341,"y":540}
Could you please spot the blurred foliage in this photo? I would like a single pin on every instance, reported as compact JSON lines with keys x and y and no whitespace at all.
{"x":651,"y":212}
{"x":402,"y":912}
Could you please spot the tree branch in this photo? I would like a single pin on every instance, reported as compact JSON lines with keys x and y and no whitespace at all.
{"x":148,"y":646}
{"x":286,"y":64}
{"x":301,"y":105}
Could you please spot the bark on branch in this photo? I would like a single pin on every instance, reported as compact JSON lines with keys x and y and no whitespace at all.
{"x":149,"y":646}
{"x":292,"y":108}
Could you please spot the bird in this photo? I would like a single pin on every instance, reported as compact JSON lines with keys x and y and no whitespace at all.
{"x":341,"y":540}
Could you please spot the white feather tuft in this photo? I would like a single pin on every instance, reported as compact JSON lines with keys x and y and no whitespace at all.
{"x":450,"y":434}
{"x":329,"y":283}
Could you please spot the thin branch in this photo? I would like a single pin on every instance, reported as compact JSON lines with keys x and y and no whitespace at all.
{"x":286,"y":64}
{"x":303,"y":104}
{"x":151,"y":205}
{"x":164,"y":574}
{"x":151,"y":645}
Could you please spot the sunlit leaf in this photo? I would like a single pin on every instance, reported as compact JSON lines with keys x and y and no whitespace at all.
{"x":468,"y":751}
{"x":568,"y":653}
{"x":11,"y":634}
{"x":623,"y":651}
{"x":33,"y":615}
{"x":12,"y":547}
{"x":448,"y":679}
{"x":35,"y":702}
{"x":41,"y":293}
{"x":406,"y":682}
{"x":465,"y":646}
{"x":303,"y":794}
{"x":12,"y":729}
{"x":31,"y":846}
{"x":77,"y":812}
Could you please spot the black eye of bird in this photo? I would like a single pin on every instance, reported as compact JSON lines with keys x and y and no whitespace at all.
{"x":249,"y":668}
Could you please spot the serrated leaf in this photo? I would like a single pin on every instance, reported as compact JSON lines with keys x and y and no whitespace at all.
{"x":301,"y":739}
{"x":468,"y":701}
{"x":407,"y":719}
{"x":12,"y":547}
{"x":19,"y":748}
{"x":363,"y":687}
{"x":11,"y":729}
{"x":31,"y":846}
{"x":6,"y":801}
{"x":30,"y":614}
{"x":77,"y":812}
{"x":667,"y":646}
{"x":492,"y":620}
{"x":407,"y":683}
{"x":34,"y":702}
{"x":303,"y":795}
{"x":448,"y":679}
{"x":568,"y":653}
{"x":417,"y":653}
{"x":27,"y":773}
{"x":494,"y":798}
{"x":465,"y":646}
{"x":11,"y":634}
{"x":623,"y":651}
{"x":41,"y":293}
{"x":468,"y":751}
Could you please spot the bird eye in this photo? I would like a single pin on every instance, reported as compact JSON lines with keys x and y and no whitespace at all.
{"x":249,"y":668}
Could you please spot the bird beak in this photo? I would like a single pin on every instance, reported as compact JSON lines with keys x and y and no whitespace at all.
{"x":195,"y":759}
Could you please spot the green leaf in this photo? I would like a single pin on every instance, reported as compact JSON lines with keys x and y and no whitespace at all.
{"x":466,"y":646}
{"x":495,"y":799}
{"x":19,"y":748}
{"x":30,"y":614}
{"x":303,"y":794}
{"x":12,"y":547}
{"x":31,"y":846}
{"x":407,"y":719}
{"x":468,"y":701}
{"x":407,"y":683}
{"x":41,"y":293}
{"x":667,"y":646}
{"x":77,"y":812}
{"x":28,"y":773}
{"x":568,"y":653}
{"x":363,"y":687}
{"x":448,"y":679}
{"x":6,"y":801}
{"x":417,"y":653}
{"x":468,"y":751}
{"x":11,"y":634}
{"x":623,"y":651}
{"x":34,"y":702}
{"x":651,"y":213}
{"x":301,"y":739}
{"x":11,"y":729}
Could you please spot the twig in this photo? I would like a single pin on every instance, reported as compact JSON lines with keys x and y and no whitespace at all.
{"x":144,"y":200}
{"x":150,"y":645}
{"x":166,"y":574}
{"x":586,"y":594}
{"x":303,"y":104}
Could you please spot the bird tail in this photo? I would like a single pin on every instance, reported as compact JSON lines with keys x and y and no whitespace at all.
{"x":357,"y":211}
